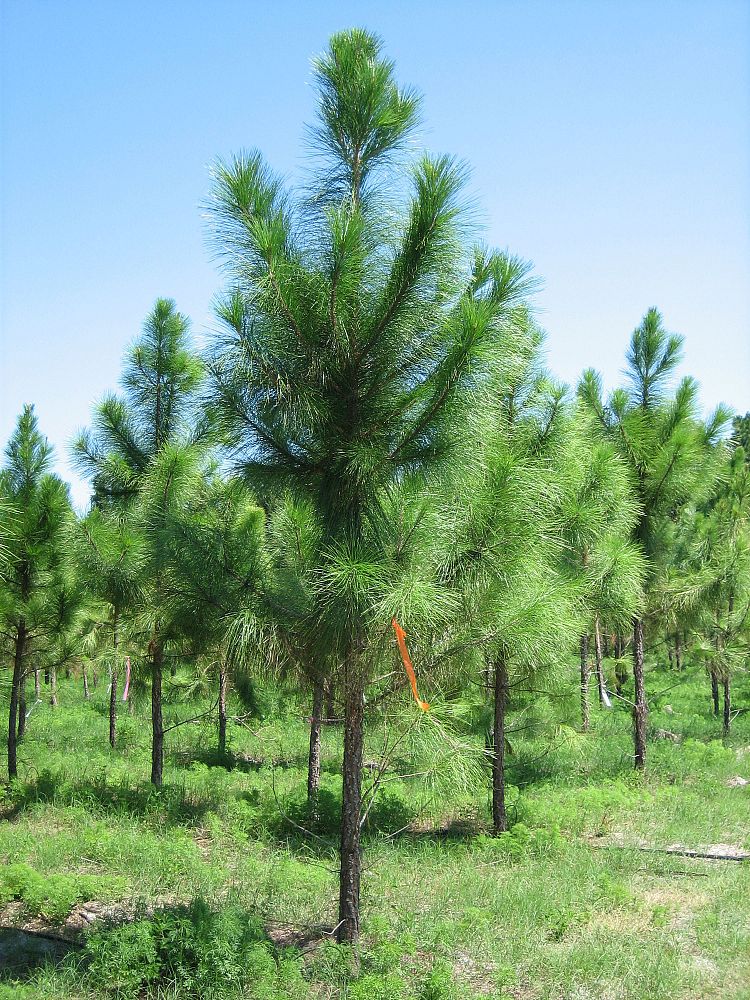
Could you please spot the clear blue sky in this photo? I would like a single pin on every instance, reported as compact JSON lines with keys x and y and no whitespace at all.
{"x":610,"y":143}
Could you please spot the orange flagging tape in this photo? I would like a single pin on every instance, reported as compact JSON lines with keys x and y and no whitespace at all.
{"x":401,"y":639}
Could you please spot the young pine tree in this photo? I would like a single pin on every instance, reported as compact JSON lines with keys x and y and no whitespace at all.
{"x":670,"y":456}
{"x":139,"y":455}
{"x":110,"y":556}
{"x":35,"y":591}
{"x":358,"y":331}
{"x":219,"y":571}
{"x":598,"y":514}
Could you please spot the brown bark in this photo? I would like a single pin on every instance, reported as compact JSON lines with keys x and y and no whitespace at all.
{"x":678,"y":651}
{"x":585,"y":683}
{"x":640,"y":708}
{"x":501,"y":692}
{"x":22,"y":706}
{"x":727,"y":705}
{"x":53,"y":687}
{"x":157,"y":722}
{"x":18,"y":655}
{"x":603,"y":699}
{"x":351,"y":810}
{"x":222,"y":708}
{"x":714,"y":691}
{"x":37,"y":685}
{"x":313,"y":760}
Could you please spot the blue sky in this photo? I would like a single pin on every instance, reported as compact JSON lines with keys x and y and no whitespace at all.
{"x":609,"y":143}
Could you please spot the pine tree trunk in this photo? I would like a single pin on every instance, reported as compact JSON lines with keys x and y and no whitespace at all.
{"x":18,"y":655}
{"x":727,"y":705}
{"x":86,"y":693}
{"x":313,"y":760}
{"x":53,"y":687}
{"x":501,"y":692}
{"x":351,"y":809}
{"x":37,"y":685}
{"x":157,"y":722}
{"x":21,"y":707}
{"x":113,"y":686}
{"x":222,"y":708}
{"x":603,"y":697}
{"x":585,"y":683}
{"x":678,"y":651}
{"x":640,"y":709}
{"x":715,"y":691}
{"x":669,"y":651}
{"x":46,"y":675}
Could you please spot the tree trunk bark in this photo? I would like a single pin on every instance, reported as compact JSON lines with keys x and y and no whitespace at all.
{"x":86,"y":693}
{"x":585,"y":683}
{"x":669,"y":651}
{"x":727,"y":705}
{"x":351,"y":809}
{"x":715,"y":691}
{"x":21,"y":706}
{"x":46,"y":675}
{"x":222,"y":708}
{"x":499,"y":816}
{"x":18,"y":654}
{"x":53,"y":687}
{"x":678,"y":652}
{"x":37,"y":685}
{"x":603,"y":696}
{"x":640,"y":709}
{"x":313,"y":760}
{"x":157,"y":722}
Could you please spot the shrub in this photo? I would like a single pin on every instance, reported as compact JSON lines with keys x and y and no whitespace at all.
{"x":197,"y":951}
{"x":51,"y":896}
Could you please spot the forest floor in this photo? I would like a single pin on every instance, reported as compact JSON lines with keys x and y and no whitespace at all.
{"x":97,"y":865}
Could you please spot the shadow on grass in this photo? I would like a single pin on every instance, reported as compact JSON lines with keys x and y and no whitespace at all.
{"x":171,"y":804}
{"x":231,"y":761}
{"x":22,"y":952}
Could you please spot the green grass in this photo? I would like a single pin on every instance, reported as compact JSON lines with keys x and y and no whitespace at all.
{"x":557,"y":908}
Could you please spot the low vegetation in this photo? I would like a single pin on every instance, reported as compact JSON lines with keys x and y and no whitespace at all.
{"x":216,"y":885}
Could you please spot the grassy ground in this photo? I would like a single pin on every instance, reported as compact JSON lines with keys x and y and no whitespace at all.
{"x":563,"y":906}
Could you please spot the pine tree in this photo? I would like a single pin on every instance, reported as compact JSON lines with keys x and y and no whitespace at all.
{"x":138,"y":455}
{"x":669,"y":453}
{"x":110,"y":557}
{"x":518,"y":604}
{"x":35,"y":599}
{"x":219,"y":571}
{"x":358,"y":329}
{"x":709,"y":587}
{"x":598,"y":513}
